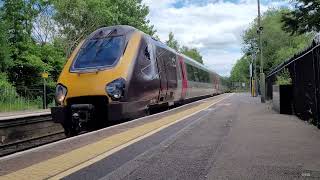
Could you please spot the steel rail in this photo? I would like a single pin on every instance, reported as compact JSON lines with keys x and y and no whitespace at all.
{"x":18,"y":146}
{"x":25,"y":131}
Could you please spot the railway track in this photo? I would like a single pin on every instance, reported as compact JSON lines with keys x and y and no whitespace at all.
{"x":22,"y":132}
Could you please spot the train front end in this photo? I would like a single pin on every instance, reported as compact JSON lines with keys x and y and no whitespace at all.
{"x":93,"y":82}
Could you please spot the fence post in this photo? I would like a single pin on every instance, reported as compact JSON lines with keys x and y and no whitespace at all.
{"x":44,"y":94}
{"x":44,"y":76}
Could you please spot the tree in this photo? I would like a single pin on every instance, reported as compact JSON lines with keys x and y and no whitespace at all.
{"x":29,"y":54}
{"x":192,"y":53}
{"x":172,"y":42}
{"x":78,"y":18}
{"x":304,"y":18}
{"x":35,"y":35}
{"x":240,"y":71}
{"x":5,"y":51}
{"x":18,"y":16}
{"x":45,"y":28}
{"x":277,"y":44}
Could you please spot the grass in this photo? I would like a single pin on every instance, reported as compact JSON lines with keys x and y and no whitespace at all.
{"x":20,"y":104}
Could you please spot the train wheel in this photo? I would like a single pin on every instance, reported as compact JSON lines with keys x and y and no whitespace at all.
{"x":147,"y":112}
{"x":70,"y":131}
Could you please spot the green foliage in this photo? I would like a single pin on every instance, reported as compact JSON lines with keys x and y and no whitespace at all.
{"x":304,"y":18}
{"x":37,"y":35}
{"x":10,"y":100}
{"x":190,"y":52}
{"x":78,"y":18}
{"x":5,"y":51}
{"x":53,"y":57}
{"x":172,"y":42}
{"x":24,"y":58}
{"x":240,"y":71}
{"x":226,"y":84}
{"x":277,"y":45}
{"x":284,"y":78}
{"x":4,"y":84}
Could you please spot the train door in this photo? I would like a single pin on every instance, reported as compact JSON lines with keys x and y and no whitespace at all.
{"x":172,"y":79}
{"x":183,"y":77}
{"x":161,"y":64}
{"x":214,"y":80}
{"x":144,"y":82}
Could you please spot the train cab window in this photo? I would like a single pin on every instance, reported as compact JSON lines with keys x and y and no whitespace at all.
{"x":147,"y":53}
{"x":99,"y":53}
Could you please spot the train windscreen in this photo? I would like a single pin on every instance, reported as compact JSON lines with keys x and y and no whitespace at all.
{"x":99,"y":53}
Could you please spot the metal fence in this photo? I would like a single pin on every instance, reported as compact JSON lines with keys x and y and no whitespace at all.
{"x":239,"y":86}
{"x":304,"y":71}
{"x":13,"y":99}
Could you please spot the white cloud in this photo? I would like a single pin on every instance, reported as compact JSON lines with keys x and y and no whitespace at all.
{"x":214,"y":28}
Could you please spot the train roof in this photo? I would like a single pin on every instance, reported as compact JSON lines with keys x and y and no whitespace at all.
{"x":123,"y":29}
{"x":120,"y":30}
{"x":189,"y":60}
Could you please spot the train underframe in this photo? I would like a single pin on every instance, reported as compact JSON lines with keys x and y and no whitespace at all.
{"x":94,"y":112}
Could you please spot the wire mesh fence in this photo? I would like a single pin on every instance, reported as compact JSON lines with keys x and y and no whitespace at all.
{"x":21,"y":99}
{"x":239,"y":86}
{"x":304,"y":74}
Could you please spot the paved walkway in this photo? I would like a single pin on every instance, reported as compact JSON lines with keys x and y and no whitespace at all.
{"x":235,"y":138}
{"x":240,"y":138}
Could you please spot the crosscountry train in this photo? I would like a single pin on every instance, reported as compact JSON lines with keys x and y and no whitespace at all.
{"x":119,"y":72}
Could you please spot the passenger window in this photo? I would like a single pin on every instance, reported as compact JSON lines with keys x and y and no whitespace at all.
{"x":190,"y":73}
{"x":196,"y":74}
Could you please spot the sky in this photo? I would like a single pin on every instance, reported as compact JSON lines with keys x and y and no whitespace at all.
{"x":213,"y":26}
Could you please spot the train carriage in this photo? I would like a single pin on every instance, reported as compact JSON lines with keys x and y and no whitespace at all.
{"x":119,"y":72}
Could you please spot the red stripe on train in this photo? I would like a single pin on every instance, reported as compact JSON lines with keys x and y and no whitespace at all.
{"x":184,"y":77}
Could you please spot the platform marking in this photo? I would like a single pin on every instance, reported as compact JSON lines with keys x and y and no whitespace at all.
{"x":66,"y":164}
{"x":67,"y":140}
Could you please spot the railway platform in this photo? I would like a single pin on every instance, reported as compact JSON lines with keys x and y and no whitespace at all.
{"x":8,"y":115}
{"x":230,"y":136}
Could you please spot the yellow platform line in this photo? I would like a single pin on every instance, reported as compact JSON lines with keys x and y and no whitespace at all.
{"x":68,"y":163}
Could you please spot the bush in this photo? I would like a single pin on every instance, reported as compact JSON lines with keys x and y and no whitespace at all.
{"x":10,"y":100}
{"x":284,"y":78}
{"x":7,"y":91}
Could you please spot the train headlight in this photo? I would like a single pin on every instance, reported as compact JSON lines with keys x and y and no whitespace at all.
{"x":115,"y":89}
{"x":61,"y":93}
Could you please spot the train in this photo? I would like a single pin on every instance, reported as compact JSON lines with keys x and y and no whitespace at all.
{"x":119,"y":72}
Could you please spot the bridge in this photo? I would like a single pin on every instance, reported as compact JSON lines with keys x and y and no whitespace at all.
{"x":229,"y":136}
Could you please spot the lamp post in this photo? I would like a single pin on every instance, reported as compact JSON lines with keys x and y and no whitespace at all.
{"x":255,"y":75}
{"x":262,"y":76}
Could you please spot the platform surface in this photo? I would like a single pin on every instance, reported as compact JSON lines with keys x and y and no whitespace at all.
{"x":231,"y":136}
{"x":20,"y":114}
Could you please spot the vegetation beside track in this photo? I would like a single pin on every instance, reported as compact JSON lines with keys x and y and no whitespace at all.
{"x":278,"y":44}
{"x":38,"y":36}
